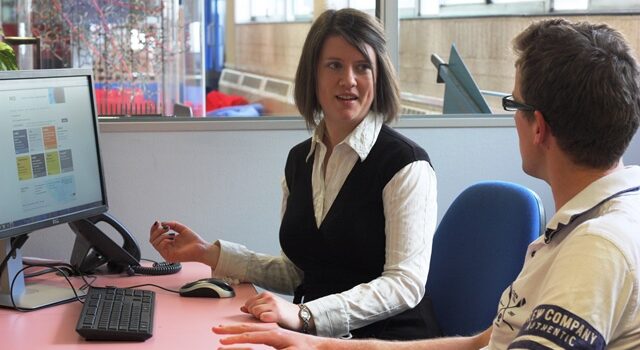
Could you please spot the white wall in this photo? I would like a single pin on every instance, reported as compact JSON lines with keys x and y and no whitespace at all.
{"x":226,"y":184}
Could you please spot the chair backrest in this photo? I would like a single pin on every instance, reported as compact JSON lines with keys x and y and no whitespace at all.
{"x":478,"y":250}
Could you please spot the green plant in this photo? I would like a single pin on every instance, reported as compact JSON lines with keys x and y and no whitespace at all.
{"x":7,"y":57}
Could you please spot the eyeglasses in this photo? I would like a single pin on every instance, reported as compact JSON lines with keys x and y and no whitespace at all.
{"x":509,"y":104}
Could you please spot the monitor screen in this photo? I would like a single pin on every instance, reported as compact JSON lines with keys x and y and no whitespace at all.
{"x":52,"y":172}
{"x":49,"y":150}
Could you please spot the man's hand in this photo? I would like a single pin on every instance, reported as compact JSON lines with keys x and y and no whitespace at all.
{"x":268,"y":334}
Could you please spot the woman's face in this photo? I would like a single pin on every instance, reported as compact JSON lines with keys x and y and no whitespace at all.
{"x":346,"y":82}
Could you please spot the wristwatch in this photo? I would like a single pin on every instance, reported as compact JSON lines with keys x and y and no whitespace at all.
{"x":305,"y":316}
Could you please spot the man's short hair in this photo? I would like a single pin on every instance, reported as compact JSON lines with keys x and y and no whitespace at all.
{"x":358,"y":29}
{"x":584,"y":79}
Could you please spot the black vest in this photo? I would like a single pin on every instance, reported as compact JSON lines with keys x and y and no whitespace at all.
{"x":349,"y":247}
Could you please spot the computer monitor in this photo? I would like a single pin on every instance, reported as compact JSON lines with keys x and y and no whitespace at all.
{"x":53,"y":171}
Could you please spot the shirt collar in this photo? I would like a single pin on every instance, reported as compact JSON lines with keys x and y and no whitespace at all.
{"x":594,"y":194}
{"x":361,"y":139}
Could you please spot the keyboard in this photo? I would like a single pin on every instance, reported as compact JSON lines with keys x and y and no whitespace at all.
{"x":117,"y":314}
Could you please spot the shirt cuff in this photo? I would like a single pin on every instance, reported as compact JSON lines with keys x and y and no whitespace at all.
{"x":232,"y":262}
{"x":329,"y":316}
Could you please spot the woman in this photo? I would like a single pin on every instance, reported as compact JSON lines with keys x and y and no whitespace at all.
{"x":359,"y":206}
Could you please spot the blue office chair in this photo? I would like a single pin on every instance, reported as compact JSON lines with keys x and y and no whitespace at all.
{"x":478,"y":250}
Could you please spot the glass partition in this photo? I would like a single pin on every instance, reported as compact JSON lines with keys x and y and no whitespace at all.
{"x":146,"y":55}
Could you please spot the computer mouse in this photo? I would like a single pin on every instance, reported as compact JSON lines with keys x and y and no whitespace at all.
{"x":207,"y":288}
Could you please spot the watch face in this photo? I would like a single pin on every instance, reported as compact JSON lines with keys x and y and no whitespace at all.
{"x":305,"y":314}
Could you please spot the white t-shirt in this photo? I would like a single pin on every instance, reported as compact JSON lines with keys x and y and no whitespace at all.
{"x":578,"y":288}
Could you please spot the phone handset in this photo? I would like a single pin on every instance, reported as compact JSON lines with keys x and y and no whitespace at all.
{"x":93,"y":248}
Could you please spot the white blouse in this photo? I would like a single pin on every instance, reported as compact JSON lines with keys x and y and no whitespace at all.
{"x":410,"y":210}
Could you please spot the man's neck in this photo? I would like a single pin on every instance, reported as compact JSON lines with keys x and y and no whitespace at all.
{"x":568,"y":179}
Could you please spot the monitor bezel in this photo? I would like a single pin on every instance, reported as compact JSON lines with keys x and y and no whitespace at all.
{"x":85,"y":213}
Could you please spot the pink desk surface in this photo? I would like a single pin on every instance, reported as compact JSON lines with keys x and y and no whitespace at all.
{"x":179,"y":323}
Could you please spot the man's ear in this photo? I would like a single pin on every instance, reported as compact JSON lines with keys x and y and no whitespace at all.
{"x":542,"y":132}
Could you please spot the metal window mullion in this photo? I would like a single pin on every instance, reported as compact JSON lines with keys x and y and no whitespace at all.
{"x":387,"y":11}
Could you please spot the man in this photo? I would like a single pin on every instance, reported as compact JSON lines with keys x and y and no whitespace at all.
{"x":577,"y":106}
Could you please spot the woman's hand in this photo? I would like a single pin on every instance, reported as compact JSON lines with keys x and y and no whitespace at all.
{"x":181,"y":245}
{"x":268,"y":307}
{"x":268,"y":334}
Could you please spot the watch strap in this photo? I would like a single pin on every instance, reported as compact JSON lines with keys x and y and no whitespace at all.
{"x":305,"y":315}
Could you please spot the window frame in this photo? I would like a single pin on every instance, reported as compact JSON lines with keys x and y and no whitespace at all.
{"x":480,"y":8}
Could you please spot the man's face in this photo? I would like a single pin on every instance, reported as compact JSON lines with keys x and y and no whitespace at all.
{"x":525,"y":127}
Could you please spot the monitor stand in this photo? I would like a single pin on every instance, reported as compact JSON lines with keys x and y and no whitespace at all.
{"x":31,"y":295}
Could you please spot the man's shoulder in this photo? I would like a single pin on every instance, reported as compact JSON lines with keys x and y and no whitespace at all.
{"x":578,"y":284}
{"x":617,"y":222}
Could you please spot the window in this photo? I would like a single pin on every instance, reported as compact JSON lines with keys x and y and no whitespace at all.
{"x":162,"y":53}
{"x":560,"y":5}
{"x":474,"y":8}
{"x":273,"y":10}
{"x":429,"y":7}
{"x":461,"y":2}
{"x":512,"y":1}
{"x":303,"y":9}
{"x":482,"y":41}
{"x":368,"y":6}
